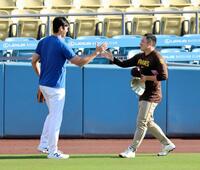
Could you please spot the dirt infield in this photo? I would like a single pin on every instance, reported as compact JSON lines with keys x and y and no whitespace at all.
{"x":95,"y":146}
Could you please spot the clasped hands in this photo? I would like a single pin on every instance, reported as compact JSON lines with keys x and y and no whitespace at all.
{"x":101,"y":50}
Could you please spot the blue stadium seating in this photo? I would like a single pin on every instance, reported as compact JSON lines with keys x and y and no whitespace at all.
{"x":173,"y":48}
{"x":1,"y":48}
{"x":196,"y":50}
{"x":20,"y":48}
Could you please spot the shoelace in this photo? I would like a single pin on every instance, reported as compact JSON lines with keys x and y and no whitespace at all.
{"x":57,"y":154}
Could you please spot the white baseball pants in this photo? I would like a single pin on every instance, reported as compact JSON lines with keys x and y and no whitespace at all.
{"x":55,"y":99}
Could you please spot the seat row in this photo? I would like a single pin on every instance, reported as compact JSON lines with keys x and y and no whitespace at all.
{"x":66,"y":4}
{"x":182,"y":49}
{"x":173,"y":22}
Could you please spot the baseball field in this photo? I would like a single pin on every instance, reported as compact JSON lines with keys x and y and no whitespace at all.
{"x":99,"y":154}
{"x":174,"y":161}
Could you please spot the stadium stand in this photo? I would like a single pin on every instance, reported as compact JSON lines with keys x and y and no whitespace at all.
{"x":180,"y":49}
{"x":106,"y":25}
{"x":5,"y":24}
{"x":27,"y":26}
{"x":112,"y":24}
{"x":179,"y":3}
{"x":122,"y":4}
{"x":150,"y":3}
{"x":90,"y":4}
{"x":8,"y":5}
{"x":1,"y":48}
{"x":82,"y":25}
{"x":61,"y":4}
{"x":168,"y":42}
{"x":33,"y":4}
{"x":126,"y":46}
{"x":44,"y":20}
{"x":189,"y":23}
{"x":20,"y":48}
{"x":170,"y":23}
{"x":171,"y":50}
{"x":139,"y":23}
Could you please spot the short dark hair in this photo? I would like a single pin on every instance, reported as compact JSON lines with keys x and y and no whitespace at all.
{"x":151,"y":37}
{"x":59,"y":21}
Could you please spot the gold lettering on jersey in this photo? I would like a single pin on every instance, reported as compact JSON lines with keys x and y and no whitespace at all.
{"x":143,"y":62}
{"x":161,"y":61}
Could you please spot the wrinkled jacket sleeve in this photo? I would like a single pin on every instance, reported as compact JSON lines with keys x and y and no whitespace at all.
{"x":126,"y":63}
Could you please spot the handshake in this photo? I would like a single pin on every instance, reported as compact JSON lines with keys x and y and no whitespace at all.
{"x":103,"y":52}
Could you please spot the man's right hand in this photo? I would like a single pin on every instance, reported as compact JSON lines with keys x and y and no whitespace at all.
{"x":99,"y":49}
{"x":107,"y":55}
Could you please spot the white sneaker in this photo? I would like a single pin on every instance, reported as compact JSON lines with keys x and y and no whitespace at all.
{"x":43,"y":149}
{"x":57,"y":156}
{"x":166,"y":149}
{"x":129,"y":153}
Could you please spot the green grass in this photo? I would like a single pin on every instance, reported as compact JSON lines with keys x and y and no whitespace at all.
{"x":101,"y":162}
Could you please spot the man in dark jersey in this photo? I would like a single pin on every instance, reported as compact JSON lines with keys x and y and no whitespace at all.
{"x":153,"y":71}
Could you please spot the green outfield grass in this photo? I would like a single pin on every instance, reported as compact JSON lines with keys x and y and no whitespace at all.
{"x":174,"y":161}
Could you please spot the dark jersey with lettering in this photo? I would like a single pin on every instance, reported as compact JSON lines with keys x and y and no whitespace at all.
{"x":152,"y":64}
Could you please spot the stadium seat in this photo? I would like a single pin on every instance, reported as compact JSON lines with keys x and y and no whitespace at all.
{"x":150,"y":3}
{"x":112,"y":24}
{"x":179,"y":3}
{"x":195,"y":36}
{"x":171,"y":42}
{"x":139,"y":24}
{"x":170,"y":23}
{"x":82,"y":25}
{"x":196,"y":50}
{"x":90,"y":4}
{"x":44,"y":19}
{"x":27,"y":26}
{"x":61,"y":4}
{"x":122,"y":4}
{"x":8,"y":5}
{"x":4,"y":25}
{"x":33,"y":4}
{"x":189,"y":24}
{"x":1,"y":49}
{"x":166,"y":36}
{"x":25,"y":52}
{"x":171,"y":50}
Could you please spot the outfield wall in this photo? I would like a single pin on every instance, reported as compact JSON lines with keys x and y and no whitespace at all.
{"x":1,"y":98}
{"x":99,"y":102}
